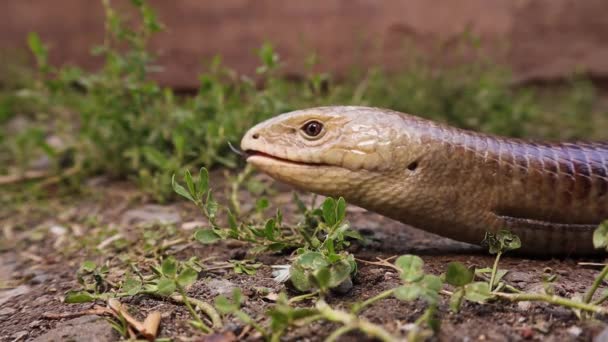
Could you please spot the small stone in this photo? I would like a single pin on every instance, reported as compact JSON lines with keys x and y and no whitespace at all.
{"x":58,"y":230}
{"x":389,"y":275}
{"x":7,"y":311}
{"x":19,"y":336}
{"x":150,"y":214}
{"x":527,"y":332}
{"x":193,"y":225}
{"x":86,"y":328}
{"x":407,"y":327}
{"x":519,"y":277}
{"x":575,"y":331}
{"x":524,"y":306}
{"x":220,"y":286}
{"x":344,"y":287}
{"x":34,"y":324}
{"x":39,"y":278}
{"x":17,"y":291}
{"x":602,"y":336}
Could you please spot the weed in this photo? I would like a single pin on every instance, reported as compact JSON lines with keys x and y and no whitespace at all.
{"x":119,"y":122}
{"x":321,"y":261}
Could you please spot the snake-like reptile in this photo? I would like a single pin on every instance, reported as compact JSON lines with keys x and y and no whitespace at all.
{"x":451,"y":182}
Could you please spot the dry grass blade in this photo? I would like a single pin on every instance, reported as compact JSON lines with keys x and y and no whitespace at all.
{"x":151,"y":324}
{"x":148,"y":329}
{"x":97,"y":310}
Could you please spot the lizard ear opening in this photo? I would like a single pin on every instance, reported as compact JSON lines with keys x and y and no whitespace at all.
{"x":413,"y":166}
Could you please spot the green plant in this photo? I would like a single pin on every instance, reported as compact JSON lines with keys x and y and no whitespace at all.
{"x":321,"y":262}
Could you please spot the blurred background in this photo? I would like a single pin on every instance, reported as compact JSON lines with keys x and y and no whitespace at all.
{"x":139,"y":90}
{"x":106,"y":104}
{"x":539,"y":40}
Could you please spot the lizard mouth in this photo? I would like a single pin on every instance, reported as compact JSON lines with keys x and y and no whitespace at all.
{"x":259,"y":154}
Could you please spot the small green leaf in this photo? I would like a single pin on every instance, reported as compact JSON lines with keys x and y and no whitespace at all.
{"x":322,"y":277}
{"x":600,"y":236}
{"x":206,"y":236}
{"x":165,"y":286}
{"x":430,"y":285}
{"x":408,"y":292}
{"x":131,"y":286}
{"x":180,"y":190}
{"x":411,"y":267}
{"x":232,"y":223}
{"x":211,"y":206}
{"x":169,"y":267}
{"x":329,"y":211}
{"x":190,"y":183}
{"x":458,"y":274}
{"x":339,"y":272}
{"x":477,"y":292}
{"x":340,"y":210}
{"x":269,"y":229}
{"x":79,"y":297}
{"x":500,"y":273}
{"x":203,"y":182}
{"x":501,"y":242}
{"x":155,"y":157}
{"x":456,"y":300}
{"x":187,"y":277}
{"x":237,"y":297}
{"x":226,"y":306}
{"x":88,"y":266}
{"x":261,"y":204}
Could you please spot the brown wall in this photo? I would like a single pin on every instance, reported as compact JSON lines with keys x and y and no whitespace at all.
{"x":540,"y":39}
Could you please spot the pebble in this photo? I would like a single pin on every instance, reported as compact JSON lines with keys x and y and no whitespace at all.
{"x":575,"y":331}
{"x":344,"y":286}
{"x":151,"y":213}
{"x":20,"y":335}
{"x":220,"y":286}
{"x":86,"y":328}
{"x":193,"y":225}
{"x":17,"y":291}
{"x":519,"y":277}
{"x":524,"y":306}
{"x":7,"y":311}
{"x":602,"y":336}
{"x":58,"y":230}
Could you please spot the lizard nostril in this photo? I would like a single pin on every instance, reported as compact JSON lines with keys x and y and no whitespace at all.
{"x":255,"y":136}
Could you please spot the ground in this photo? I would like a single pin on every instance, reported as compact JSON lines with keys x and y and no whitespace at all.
{"x":46,"y":241}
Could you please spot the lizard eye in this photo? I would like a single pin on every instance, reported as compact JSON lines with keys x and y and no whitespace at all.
{"x":312,"y":128}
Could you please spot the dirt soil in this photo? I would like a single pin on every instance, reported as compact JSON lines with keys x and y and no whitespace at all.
{"x":45,"y":243}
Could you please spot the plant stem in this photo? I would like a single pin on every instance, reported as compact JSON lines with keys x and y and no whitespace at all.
{"x":369,"y":301}
{"x":601,"y":300}
{"x":302,"y":297}
{"x":234,"y":193}
{"x":413,"y":334}
{"x":339,"y":332}
{"x":557,"y":300}
{"x":596,"y":283}
{"x":196,"y":317}
{"x":207,"y":308}
{"x":494,"y":270}
{"x":353,"y":322}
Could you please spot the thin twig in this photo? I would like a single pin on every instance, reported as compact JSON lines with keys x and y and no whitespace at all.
{"x":208,"y":309}
{"x":596,"y":283}
{"x":97,"y":310}
{"x":557,"y":300}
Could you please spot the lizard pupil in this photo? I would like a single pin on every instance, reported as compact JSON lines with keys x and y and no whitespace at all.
{"x":312,"y":128}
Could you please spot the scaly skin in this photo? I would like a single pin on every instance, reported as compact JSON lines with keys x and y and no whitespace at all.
{"x":448,"y":181}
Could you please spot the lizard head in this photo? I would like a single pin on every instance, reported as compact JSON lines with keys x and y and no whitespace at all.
{"x":327,"y":150}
